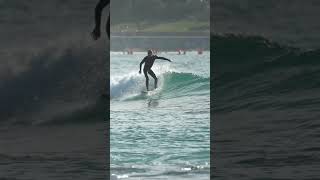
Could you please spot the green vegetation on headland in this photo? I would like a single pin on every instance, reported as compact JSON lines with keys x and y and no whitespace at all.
{"x":178,"y":26}
{"x":160,"y":16}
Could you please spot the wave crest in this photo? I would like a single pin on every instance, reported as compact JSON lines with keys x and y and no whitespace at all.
{"x":171,"y":83}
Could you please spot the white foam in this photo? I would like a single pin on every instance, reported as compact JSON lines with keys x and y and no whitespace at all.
{"x":116,"y":177}
{"x":133,"y":83}
{"x":127,"y":84}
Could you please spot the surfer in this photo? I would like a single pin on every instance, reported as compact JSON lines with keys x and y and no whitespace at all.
{"x":97,"y":15}
{"x":149,"y":60}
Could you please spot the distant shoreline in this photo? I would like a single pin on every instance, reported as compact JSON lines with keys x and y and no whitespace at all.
{"x":161,"y":34}
{"x":161,"y":41}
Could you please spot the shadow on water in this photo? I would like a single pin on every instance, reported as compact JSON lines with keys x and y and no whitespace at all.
{"x":152,"y":102}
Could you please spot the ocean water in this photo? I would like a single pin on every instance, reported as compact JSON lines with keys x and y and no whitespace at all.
{"x":52,"y":123}
{"x":266,"y":109}
{"x":265,"y":95}
{"x":52,"y":75}
{"x":163,"y":134}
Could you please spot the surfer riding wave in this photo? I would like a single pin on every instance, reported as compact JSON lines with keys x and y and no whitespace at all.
{"x":97,"y":16}
{"x":148,"y":63}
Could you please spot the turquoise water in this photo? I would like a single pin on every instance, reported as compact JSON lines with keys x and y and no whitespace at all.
{"x":163,"y":134}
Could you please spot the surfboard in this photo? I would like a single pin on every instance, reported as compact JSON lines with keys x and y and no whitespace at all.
{"x":148,"y":92}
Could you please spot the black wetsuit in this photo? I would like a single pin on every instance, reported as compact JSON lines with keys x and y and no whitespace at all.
{"x":148,"y":63}
{"x":98,"y":11}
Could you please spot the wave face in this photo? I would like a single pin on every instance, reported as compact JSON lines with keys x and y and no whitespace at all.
{"x":58,"y":83}
{"x":171,"y":84}
{"x":265,"y":99}
{"x":264,"y":67}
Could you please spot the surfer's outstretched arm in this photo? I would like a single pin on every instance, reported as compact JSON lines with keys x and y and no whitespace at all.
{"x":163,"y":58}
{"x":143,"y":60}
{"x":97,"y":15}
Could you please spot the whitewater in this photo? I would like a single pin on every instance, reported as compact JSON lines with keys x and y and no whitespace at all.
{"x":165,"y":133}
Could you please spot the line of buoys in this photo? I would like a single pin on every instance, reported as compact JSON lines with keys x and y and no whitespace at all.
{"x":182,"y":51}
{"x":130,"y":51}
{"x":127,"y":51}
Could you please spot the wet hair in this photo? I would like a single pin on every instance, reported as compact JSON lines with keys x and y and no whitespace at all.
{"x":149,"y":51}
